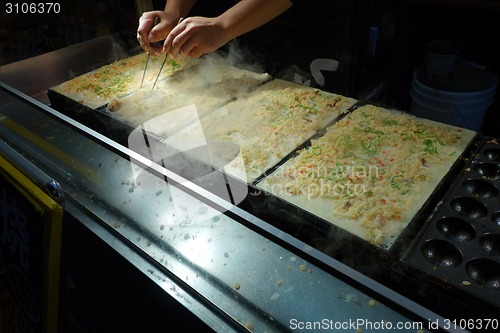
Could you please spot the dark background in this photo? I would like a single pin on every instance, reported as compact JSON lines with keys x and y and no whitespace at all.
{"x":382,"y":71}
{"x":407,"y":26}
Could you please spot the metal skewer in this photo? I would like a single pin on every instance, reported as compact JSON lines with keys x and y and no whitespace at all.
{"x":156,"y":21}
{"x":157,"y":76}
{"x":164,"y":60}
{"x":145,"y":68}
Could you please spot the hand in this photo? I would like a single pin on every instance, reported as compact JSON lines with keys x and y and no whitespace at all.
{"x":195,"y":36}
{"x":149,"y":33}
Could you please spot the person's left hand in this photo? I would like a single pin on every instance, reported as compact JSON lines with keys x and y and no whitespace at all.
{"x":148,"y":33}
{"x":195,"y":36}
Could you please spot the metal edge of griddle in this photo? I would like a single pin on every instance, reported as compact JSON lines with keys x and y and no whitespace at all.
{"x":321,"y":234}
{"x":97,"y":119}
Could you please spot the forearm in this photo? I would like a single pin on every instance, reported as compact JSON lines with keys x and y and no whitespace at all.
{"x":179,"y":8}
{"x":248,"y":15}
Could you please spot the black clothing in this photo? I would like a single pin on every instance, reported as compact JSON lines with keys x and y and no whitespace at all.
{"x":287,"y":45}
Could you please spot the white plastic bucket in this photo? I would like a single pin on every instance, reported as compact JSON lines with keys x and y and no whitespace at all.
{"x":462,"y":101}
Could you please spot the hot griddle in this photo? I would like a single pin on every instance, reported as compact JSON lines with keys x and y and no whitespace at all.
{"x":304,"y":225}
{"x":320,"y":234}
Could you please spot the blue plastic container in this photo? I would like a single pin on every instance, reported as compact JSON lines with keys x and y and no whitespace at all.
{"x":462,"y":101}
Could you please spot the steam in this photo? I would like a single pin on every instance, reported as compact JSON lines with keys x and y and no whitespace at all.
{"x":242,"y":58}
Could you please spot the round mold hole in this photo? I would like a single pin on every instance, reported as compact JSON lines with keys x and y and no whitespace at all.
{"x":485,"y":272}
{"x":479,"y":188}
{"x":441,"y":253}
{"x":495,"y":218}
{"x":456,"y":229}
{"x":487,"y":170}
{"x":492,"y":154}
{"x":490,"y":243}
{"x":469,"y":207}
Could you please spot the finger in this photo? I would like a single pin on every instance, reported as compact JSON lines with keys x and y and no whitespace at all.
{"x":159,"y":32}
{"x":172,"y":41}
{"x":155,"y":50}
{"x":178,"y":40}
{"x":187,"y":48}
{"x":143,"y":40}
{"x":145,"y":25}
{"x":143,"y":46}
{"x":167,"y":44}
{"x":196,"y":52}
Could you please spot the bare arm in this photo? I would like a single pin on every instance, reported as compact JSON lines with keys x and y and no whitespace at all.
{"x":199,"y":35}
{"x":179,"y":8}
{"x":248,"y":15}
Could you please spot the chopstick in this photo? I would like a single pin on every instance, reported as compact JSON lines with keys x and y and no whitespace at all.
{"x":164,"y":60}
{"x":147,"y":59}
{"x":145,"y":68}
{"x":158,"y":75}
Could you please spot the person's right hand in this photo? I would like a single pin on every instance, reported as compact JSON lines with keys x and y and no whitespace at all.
{"x":195,"y":36}
{"x":154,"y":26}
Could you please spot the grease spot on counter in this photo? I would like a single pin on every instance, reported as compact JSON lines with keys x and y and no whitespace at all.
{"x":202,"y":211}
